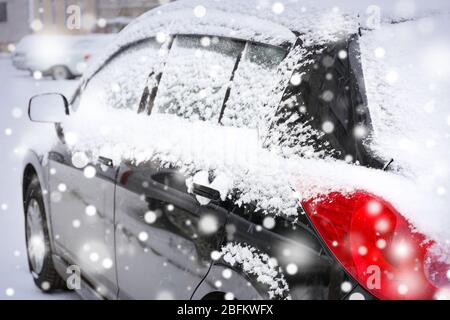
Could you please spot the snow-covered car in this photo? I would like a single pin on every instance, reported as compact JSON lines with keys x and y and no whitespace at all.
{"x":61,"y":57}
{"x":232,"y":152}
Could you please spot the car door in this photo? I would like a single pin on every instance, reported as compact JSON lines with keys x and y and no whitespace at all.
{"x":163,"y":251}
{"x":164,"y":236}
{"x":82,"y":192}
{"x":82,"y":200}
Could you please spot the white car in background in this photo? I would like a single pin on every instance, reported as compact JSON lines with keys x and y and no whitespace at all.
{"x":61,"y":57}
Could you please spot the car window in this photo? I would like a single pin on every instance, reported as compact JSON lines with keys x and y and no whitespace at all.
{"x":315,"y":117}
{"x":197,"y":76}
{"x":257,"y":75}
{"x":119,"y":84}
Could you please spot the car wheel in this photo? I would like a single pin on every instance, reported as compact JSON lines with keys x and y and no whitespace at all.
{"x":60,"y":73}
{"x":38,"y":241}
{"x":214,"y":296}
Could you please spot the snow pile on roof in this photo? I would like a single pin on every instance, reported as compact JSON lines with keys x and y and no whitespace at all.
{"x":257,"y":21}
{"x":268,"y":21}
{"x":259,"y":265}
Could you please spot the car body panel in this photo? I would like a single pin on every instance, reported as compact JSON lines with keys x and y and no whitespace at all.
{"x":161,"y":253}
{"x":82,"y":237}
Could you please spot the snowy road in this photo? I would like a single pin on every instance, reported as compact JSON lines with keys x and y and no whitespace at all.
{"x":15,"y":90}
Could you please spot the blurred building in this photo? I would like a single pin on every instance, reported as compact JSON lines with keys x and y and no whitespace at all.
{"x":14,"y":21}
{"x":21,"y":17}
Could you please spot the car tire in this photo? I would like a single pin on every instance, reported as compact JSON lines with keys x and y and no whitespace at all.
{"x":60,"y":73}
{"x":38,"y":247}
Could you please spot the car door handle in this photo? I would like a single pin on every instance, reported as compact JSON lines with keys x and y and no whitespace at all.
{"x":106,"y":161}
{"x":206,"y":192}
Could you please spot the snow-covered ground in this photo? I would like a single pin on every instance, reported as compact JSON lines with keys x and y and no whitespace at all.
{"x":15,"y":90}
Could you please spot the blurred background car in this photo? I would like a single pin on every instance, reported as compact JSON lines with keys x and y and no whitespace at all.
{"x":61,"y":57}
{"x":67,"y":34}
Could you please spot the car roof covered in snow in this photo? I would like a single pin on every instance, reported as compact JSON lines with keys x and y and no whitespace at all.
{"x":249,"y":20}
{"x":272,"y":22}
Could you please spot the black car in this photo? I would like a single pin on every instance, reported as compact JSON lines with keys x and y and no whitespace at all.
{"x":136,"y":230}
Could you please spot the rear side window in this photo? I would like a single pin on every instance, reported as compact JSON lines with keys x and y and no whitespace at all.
{"x":251,"y":92}
{"x":197,"y":76}
{"x":119,"y":84}
{"x":318,"y":115}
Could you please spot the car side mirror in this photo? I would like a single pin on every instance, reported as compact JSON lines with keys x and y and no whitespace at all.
{"x":49,"y":108}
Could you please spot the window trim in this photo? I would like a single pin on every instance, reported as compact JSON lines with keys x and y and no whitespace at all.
{"x":85,"y":81}
{"x":145,"y":95}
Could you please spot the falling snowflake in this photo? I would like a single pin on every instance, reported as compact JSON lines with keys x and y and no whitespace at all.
{"x":9,"y":292}
{"x":55,"y":196}
{"x":278,"y":8}
{"x":91,"y":210}
{"x":343,"y":54}
{"x":90,"y":172}
{"x":269,"y":223}
{"x":62,"y":187}
{"x":94,"y":256}
{"x":215,"y":255}
{"x":76,"y":223}
{"x":291,"y":269}
{"x":200,"y":11}
{"x":346,"y":286}
{"x":296,"y":79}
{"x":208,"y":224}
{"x":107,"y":263}
{"x":101,"y":23}
{"x":392,"y":77}
{"x":226,"y":273}
{"x":79,"y":160}
{"x":16,"y":113}
{"x":328,"y":127}
{"x":150,"y":217}
{"x":143,"y":236}
{"x":37,"y":75}
{"x":357,"y":296}
{"x":380,"y":52}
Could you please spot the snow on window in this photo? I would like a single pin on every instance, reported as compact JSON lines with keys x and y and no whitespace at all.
{"x":120,"y":83}
{"x":256,"y":76}
{"x":260,"y":265}
{"x":197,"y":76}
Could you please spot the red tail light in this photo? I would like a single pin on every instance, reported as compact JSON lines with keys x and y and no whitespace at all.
{"x":378,"y":247}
